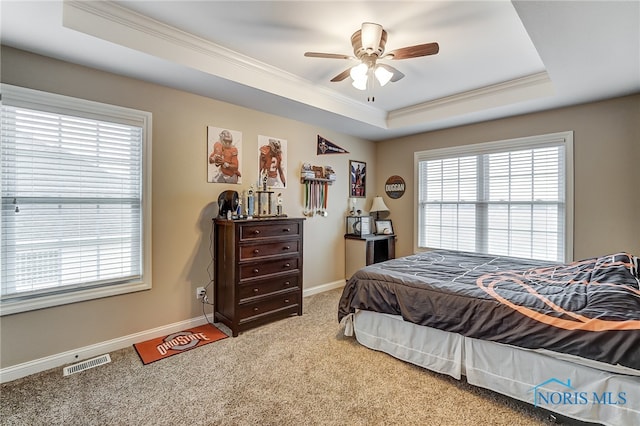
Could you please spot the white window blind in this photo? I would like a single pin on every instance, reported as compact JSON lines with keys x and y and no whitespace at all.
{"x":505,"y":198}
{"x":72,"y":202}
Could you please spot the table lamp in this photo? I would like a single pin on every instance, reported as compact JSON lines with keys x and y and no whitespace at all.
{"x":378,"y":205}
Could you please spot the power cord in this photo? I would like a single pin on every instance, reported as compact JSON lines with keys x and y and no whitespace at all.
{"x":205,"y":300}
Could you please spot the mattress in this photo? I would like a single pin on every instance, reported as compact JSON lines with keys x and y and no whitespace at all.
{"x":588,"y":309}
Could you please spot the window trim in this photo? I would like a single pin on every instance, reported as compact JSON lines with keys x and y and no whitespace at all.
{"x":500,"y":146}
{"x":55,"y":103}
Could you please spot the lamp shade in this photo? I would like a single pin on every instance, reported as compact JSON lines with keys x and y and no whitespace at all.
{"x":383,"y":75}
{"x":359,"y":76}
{"x":359,"y":71}
{"x":360,"y":83}
{"x":378,"y":205}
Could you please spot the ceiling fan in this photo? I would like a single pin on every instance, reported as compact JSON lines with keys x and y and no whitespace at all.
{"x":368,"y":47}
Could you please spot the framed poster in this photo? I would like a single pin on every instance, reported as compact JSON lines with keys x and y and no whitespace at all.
{"x":224,"y":150}
{"x":272,"y":157}
{"x":357,"y":179}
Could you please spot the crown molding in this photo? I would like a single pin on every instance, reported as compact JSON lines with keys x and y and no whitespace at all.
{"x":517,"y":90}
{"x":114,"y":23}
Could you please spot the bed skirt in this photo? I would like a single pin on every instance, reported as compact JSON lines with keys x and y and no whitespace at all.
{"x":558,"y":385}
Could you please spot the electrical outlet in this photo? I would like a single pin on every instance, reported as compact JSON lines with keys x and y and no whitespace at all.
{"x":201,"y":292}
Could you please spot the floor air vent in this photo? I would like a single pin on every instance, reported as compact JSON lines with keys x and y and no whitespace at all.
{"x":85,"y":365}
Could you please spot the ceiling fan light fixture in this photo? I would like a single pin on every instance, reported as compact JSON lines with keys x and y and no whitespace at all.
{"x":360,"y":83}
{"x":383,"y":75}
{"x":368,"y":47}
{"x":359,"y":71}
{"x":360,"y":74}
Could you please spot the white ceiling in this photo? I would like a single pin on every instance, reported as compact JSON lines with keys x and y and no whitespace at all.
{"x":496,"y":59}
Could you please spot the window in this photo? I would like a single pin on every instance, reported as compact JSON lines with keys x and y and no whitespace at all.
{"x":75,"y":219}
{"x":511,"y":198}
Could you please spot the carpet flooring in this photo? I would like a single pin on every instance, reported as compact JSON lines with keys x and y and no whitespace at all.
{"x":297,"y":371}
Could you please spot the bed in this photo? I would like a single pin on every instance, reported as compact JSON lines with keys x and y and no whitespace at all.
{"x":565,"y":337}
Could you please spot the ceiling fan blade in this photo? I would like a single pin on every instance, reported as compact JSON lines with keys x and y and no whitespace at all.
{"x":414,"y":51}
{"x":344,"y":74}
{"x":326,"y":55}
{"x":397,"y":75}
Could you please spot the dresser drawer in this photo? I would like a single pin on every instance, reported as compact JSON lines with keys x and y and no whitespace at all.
{"x":252,"y":231}
{"x":265,"y":287}
{"x":256,"y":270}
{"x":255,"y":251}
{"x":270,"y":304}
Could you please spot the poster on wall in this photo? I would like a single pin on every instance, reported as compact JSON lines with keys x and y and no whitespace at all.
{"x":272,"y":160}
{"x":224,"y":151}
{"x":357,"y":179}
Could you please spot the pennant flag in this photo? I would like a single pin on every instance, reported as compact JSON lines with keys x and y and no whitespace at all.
{"x":327,"y":147}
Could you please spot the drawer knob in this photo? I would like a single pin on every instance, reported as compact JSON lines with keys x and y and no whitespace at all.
{"x":255,"y":290}
{"x":286,"y":247}
{"x":287,"y":283}
{"x":255,"y":309}
{"x":286,"y":300}
{"x":286,"y":265}
{"x":257,"y":231}
{"x":286,"y":230}
{"x":256,"y":251}
{"x":256,"y":270}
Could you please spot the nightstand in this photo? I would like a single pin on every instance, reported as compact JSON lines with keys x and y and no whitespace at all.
{"x":363,"y":250}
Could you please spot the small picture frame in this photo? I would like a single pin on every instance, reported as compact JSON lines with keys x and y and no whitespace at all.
{"x":357,"y":179}
{"x":359,"y":225}
{"x":384,"y":227}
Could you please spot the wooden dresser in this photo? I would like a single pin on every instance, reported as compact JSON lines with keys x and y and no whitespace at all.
{"x":258,"y":271}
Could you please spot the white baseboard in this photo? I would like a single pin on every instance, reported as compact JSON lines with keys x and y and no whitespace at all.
{"x":58,"y":360}
{"x":322,"y":288}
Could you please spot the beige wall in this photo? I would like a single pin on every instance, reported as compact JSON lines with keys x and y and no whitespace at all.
{"x":182,"y":205}
{"x":607,"y":206}
{"x":606,"y":169}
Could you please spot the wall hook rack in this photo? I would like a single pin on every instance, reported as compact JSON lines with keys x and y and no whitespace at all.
{"x":316,"y":180}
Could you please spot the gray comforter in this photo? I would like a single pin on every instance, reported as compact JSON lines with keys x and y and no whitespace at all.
{"x":589,"y":308}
